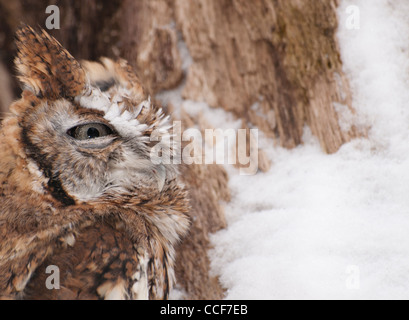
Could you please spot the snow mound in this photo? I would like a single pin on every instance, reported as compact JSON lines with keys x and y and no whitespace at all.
{"x":333,"y":226}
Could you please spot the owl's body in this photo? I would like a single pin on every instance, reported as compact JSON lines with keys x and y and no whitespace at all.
{"x":78,"y":186}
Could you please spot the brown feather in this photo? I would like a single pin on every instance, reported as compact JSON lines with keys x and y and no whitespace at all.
{"x":45,"y":67}
{"x":92,"y":208}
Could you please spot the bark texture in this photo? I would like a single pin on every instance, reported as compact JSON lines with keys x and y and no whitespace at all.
{"x":275,"y":64}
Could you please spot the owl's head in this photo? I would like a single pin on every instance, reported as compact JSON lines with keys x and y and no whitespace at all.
{"x":88,"y":127}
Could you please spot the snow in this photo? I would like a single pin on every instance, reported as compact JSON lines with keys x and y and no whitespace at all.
{"x":320,"y":226}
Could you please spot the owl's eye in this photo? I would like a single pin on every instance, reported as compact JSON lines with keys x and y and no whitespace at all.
{"x":89,"y":131}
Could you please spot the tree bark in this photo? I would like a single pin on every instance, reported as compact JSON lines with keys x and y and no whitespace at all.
{"x":274,"y":63}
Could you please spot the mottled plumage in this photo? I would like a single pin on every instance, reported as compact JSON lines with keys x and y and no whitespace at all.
{"x":78,"y":186}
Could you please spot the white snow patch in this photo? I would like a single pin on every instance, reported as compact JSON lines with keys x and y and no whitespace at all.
{"x":298,"y":231}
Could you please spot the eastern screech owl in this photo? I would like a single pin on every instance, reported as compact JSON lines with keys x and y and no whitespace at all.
{"x":78,"y":187}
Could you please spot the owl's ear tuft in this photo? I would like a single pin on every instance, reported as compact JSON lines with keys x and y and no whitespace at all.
{"x":45,"y":67}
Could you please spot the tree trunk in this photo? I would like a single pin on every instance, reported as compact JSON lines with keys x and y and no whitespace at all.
{"x":275,"y":64}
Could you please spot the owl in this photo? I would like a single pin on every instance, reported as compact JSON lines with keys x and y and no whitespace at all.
{"x":80,"y":190}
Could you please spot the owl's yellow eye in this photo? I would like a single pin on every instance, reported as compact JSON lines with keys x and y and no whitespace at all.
{"x":89,"y":131}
